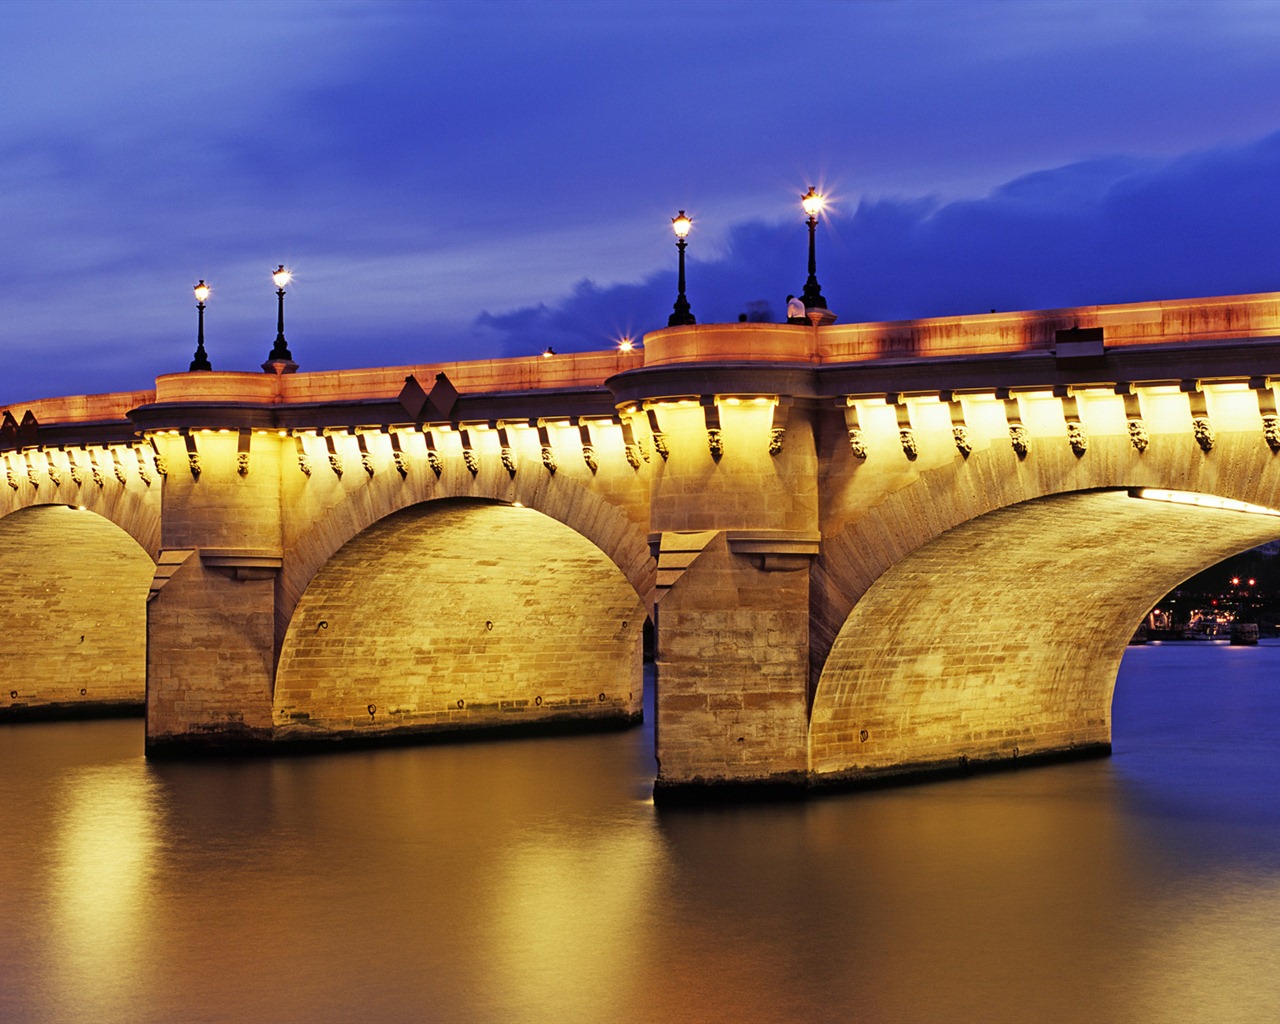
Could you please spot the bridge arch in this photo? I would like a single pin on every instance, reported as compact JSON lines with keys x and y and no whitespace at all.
{"x":134,"y":506}
{"x":457,"y":614}
{"x":1002,"y":636}
{"x":600,"y":508}
{"x":73,"y":586}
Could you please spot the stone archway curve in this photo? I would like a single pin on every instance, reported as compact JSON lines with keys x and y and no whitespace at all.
{"x":1002,"y":636}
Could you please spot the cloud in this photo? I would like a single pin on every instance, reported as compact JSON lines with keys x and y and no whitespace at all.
{"x":1108,"y":230}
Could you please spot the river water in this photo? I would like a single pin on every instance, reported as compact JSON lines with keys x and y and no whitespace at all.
{"x":535,"y":881}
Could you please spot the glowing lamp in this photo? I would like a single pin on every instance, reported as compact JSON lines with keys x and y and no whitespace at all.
{"x":681,"y":313}
{"x":281,"y":276}
{"x":201,"y":359}
{"x":280,"y":359}
{"x":625,"y":345}
{"x":813,"y":201}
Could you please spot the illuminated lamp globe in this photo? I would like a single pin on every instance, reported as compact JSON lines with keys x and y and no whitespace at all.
{"x":202,"y":291}
{"x":281,"y":276}
{"x":813,"y":202}
{"x":681,"y":225}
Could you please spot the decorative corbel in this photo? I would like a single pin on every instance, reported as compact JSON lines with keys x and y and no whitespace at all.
{"x":73,"y":467}
{"x":1018,"y":438}
{"x":304,"y":460}
{"x":366,"y":460}
{"x":51,"y":467}
{"x":1266,"y":395}
{"x":588,"y":449}
{"x":959,"y":425}
{"x":162,"y":464}
{"x":335,"y":460}
{"x":433,"y":456}
{"x":857,"y":444}
{"x":1201,"y":427}
{"x":397,"y":453}
{"x":1133,"y":414}
{"x":193,"y":458}
{"x":906,"y":432}
{"x":242,"y":451}
{"x":548,"y":452}
{"x":29,"y":460}
{"x":9,"y":476}
{"x":1071,"y":414}
{"x":780,"y":419}
{"x":506,"y":452}
{"x":659,"y":438}
{"x":144,"y":471}
{"x":468,"y":451}
{"x":711,"y":417}
{"x":629,"y":446}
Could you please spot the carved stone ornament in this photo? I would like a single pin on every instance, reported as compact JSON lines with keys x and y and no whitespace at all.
{"x":31,"y":475}
{"x":961,"y":437}
{"x":1018,"y":439}
{"x":55,"y":474}
{"x":335,"y":464}
{"x":856,"y":444}
{"x":304,"y":463}
{"x":909,"y":447}
{"x":402,"y":464}
{"x":242,"y":463}
{"x":644,"y":449}
{"x":549,"y":458}
{"x":660,"y":444}
{"x":715,"y":443}
{"x":77,"y":475}
{"x":433,"y":460}
{"x":1138,"y":435}
{"x":366,"y":462}
{"x":1271,"y":431}
{"x":1077,"y":439}
{"x":508,"y":460}
{"x":589,"y":457}
{"x":10,"y":478}
{"x":632,"y":452}
{"x":776,"y":436}
{"x":144,"y":474}
{"x":469,"y":457}
{"x":1203,"y":430}
{"x":193,"y":462}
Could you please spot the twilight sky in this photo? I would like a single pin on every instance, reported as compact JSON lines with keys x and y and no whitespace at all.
{"x":466,"y":180}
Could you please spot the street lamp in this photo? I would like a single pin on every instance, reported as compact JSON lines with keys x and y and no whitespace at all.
{"x":681,"y":315}
{"x":280,"y":360}
{"x":813,"y":202}
{"x":201,"y":360}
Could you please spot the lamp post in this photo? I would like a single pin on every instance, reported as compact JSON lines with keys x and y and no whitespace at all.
{"x":813,"y":202}
{"x":280,"y":360}
{"x":201,"y":359}
{"x":681,"y":313}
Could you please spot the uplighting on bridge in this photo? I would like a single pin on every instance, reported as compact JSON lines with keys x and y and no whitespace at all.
{"x":681,"y":313}
{"x":201,"y":359}
{"x":1202,"y":500}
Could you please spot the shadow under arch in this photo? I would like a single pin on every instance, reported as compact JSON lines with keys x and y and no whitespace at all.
{"x":1001,"y":638}
{"x":73,"y":587}
{"x":460,"y":614}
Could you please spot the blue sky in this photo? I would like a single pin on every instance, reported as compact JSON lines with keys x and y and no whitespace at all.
{"x":466,"y":180}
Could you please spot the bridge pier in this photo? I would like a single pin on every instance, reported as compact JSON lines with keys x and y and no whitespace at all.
{"x":211,"y":611}
{"x":732,"y":671}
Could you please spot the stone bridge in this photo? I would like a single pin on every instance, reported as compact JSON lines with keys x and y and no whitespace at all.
{"x":865,"y":550}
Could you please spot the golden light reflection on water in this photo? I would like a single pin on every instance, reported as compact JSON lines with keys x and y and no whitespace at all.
{"x":104,"y":849}
{"x":571,"y":910}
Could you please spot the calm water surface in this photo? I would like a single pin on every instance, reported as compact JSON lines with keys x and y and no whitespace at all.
{"x":535,"y":881}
